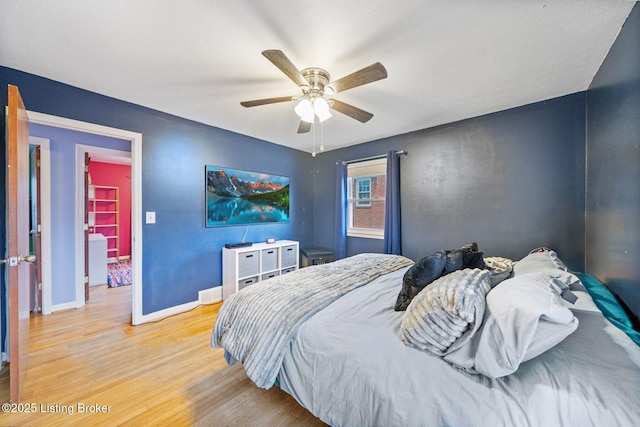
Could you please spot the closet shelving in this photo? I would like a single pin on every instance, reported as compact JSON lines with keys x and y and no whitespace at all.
{"x":104,"y":206}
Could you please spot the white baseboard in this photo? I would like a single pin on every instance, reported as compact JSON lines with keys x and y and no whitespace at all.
{"x":161,"y":314}
{"x":64,"y":306}
{"x":206,"y":296}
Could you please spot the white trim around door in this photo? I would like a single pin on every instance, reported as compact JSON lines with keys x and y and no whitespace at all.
{"x":136,"y":203}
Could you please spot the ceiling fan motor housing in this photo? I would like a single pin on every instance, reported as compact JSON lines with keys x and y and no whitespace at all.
{"x":318,"y":79}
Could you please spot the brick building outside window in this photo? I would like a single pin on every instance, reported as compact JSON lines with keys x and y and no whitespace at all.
{"x":369,"y":208}
{"x":367,"y":189}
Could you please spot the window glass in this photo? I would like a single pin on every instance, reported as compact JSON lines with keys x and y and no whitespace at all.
{"x":366,"y":199}
{"x":363,"y":191}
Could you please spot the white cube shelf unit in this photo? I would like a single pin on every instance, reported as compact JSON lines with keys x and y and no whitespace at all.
{"x":248,"y":265}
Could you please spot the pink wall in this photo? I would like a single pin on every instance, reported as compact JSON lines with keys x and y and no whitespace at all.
{"x":117,"y":176}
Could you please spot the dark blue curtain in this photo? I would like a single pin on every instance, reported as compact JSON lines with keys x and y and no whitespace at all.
{"x":340,"y":238}
{"x":392,"y":230}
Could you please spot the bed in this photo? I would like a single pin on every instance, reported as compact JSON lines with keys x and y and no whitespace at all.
{"x":347,"y":361}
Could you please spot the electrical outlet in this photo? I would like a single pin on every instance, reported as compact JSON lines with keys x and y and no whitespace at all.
{"x":151,"y":217}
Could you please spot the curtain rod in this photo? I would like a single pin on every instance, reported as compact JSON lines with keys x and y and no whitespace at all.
{"x":380,"y":156}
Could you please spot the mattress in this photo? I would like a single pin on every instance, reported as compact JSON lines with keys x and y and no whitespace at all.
{"x":348,"y":366}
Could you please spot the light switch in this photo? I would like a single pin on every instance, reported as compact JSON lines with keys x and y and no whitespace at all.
{"x":151,"y":217}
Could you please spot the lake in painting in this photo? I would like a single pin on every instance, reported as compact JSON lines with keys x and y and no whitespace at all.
{"x":236,"y":197}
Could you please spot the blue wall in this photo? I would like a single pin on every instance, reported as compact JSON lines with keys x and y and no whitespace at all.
{"x":613,"y":167}
{"x":180,"y":255}
{"x":511,"y":181}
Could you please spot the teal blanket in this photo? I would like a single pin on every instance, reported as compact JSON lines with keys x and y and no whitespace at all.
{"x":609,"y":305}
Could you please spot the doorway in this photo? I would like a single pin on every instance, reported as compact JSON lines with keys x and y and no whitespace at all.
{"x":135,"y":140}
{"x":109,"y":219}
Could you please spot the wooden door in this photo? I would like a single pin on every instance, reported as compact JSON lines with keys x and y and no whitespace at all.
{"x":18,"y":239}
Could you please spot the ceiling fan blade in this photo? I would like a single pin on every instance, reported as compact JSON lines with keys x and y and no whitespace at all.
{"x":372,"y":73}
{"x":351,"y":111}
{"x":304,"y":127}
{"x":280,"y":60}
{"x":265,"y":101}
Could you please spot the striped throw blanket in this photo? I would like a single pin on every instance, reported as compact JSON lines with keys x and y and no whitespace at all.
{"x":256,"y":325}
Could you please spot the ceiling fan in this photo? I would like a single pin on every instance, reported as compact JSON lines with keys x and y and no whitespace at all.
{"x":317,"y":90}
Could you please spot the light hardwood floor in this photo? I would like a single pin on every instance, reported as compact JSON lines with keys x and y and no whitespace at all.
{"x":161,"y":373}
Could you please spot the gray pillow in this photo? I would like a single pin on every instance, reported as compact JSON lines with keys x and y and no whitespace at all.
{"x":445,"y":314}
{"x":525,"y":317}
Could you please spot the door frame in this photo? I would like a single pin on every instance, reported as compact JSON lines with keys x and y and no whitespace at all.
{"x":45,"y":219}
{"x":135,"y":139}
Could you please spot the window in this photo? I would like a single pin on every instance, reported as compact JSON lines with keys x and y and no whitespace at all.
{"x":366,"y":198}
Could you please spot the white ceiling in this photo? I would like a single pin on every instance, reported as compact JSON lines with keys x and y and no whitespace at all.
{"x":446,"y":60}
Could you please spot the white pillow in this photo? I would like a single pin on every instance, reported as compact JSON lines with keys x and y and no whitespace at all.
{"x":545,"y":262}
{"x":525,"y":316}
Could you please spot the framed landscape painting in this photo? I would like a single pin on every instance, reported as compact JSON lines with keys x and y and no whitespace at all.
{"x":239,"y":197}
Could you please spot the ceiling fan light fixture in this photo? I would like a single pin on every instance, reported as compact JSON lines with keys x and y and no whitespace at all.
{"x":323,"y":116}
{"x":304,"y":109}
{"x":321,"y":109}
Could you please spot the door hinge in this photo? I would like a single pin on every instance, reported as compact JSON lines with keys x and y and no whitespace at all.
{"x":39,"y":228}
{"x":86,"y":168}
{"x":40,"y":286}
{"x":86,"y":226}
{"x":86,"y":279}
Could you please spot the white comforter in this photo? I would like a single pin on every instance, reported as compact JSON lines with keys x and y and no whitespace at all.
{"x":348,"y":366}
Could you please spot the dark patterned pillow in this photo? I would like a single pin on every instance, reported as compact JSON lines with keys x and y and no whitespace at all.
{"x":433,"y":267}
{"x":473,"y":247}
{"x":418,"y":276}
{"x":472,"y":257}
{"x":453,"y":261}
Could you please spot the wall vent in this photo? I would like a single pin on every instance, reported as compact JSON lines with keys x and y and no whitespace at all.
{"x":206,"y":296}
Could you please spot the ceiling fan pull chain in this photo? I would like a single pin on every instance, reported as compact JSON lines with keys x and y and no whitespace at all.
{"x":313,"y":137}
{"x":321,"y":136}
